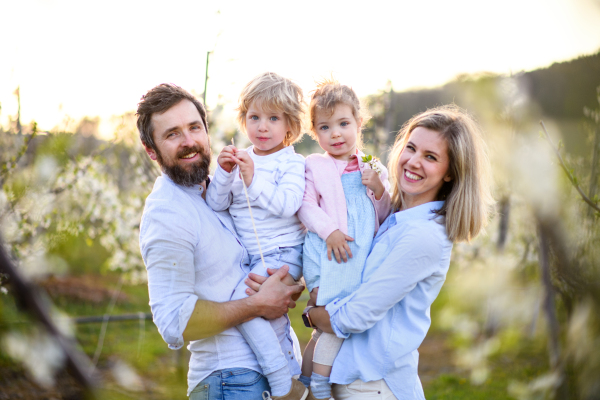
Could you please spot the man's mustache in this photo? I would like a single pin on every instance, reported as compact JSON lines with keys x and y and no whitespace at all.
{"x":189,"y":150}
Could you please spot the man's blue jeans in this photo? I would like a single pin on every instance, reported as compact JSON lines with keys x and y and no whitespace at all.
{"x":231,"y":384}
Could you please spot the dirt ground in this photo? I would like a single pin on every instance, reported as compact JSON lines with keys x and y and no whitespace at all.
{"x":435,"y":358}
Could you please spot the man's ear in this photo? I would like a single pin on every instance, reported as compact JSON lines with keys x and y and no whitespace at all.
{"x":151,"y":152}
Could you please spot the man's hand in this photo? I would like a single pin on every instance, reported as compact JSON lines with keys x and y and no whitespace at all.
{"x":253,"y":281}
{"x":227,"y":158}
{"x":337,"y":243}
{"x":372,"y":180}
{"x":244,"y":161}
{"x":271,"y":295}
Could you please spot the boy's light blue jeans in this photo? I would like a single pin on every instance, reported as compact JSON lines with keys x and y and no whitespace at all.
{"x":260,"y":333}
{"x":231,"y":384}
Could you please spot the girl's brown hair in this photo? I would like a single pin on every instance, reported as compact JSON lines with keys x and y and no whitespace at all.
{"x":330,"y":93}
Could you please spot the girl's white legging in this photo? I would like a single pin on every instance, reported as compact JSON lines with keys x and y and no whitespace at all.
{"x":327,"y":347}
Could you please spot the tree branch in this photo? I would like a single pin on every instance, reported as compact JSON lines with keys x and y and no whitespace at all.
{"x":29,"y":300}
{"x":8,"y":166}
{"x":569,"y":174}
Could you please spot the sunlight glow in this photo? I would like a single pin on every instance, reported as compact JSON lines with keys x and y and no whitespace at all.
{"x":73,"y":58}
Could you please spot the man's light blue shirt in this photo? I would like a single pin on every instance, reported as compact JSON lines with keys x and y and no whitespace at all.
{"x":385,"y":320}
{"x":193,"y":253}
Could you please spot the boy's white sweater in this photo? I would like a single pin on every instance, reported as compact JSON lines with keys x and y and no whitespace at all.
{"x":275,"y":194}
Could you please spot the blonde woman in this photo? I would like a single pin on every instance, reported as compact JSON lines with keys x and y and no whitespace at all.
{"x":440,"y":195}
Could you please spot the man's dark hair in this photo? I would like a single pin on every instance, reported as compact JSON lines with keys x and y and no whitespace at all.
{"x":158,"y":100}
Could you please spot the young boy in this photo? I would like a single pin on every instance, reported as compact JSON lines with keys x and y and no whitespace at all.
{"x":270,"y":110}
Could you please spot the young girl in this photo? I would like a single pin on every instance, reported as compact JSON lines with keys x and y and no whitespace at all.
{"x":441,"y":195}
{"x":270,"y":112}
{"x":344,"y":202}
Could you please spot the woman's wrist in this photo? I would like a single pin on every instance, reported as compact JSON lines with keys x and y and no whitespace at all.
{"x":319,"y":317}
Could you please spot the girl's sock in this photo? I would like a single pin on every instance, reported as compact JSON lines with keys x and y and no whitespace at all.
{"x":280,"y":381}
{"x":320,"y":386}
{"x":305,"y":380}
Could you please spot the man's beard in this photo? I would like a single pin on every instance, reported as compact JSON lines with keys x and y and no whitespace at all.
{"x":195,"y":174}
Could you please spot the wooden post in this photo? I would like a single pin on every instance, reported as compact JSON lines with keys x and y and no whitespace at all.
{"x":389,"y":125}
{"x":18,"y":94}
{"x":594,"y":171}
{"x":206,"y":79}
{"x":548,"y":299}
{"x":503,"y":224}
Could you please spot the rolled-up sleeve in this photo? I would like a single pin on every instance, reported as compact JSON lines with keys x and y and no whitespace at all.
{"x":407,"y":260}
{"x":167,"y":248}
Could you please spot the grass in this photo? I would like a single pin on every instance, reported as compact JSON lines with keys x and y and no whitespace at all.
{"x":524,"y":363}
{"x":138,"y":344}
{"x":164,"y":371}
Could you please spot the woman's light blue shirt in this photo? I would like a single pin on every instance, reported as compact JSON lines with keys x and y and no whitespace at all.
{"x":385,"y":320}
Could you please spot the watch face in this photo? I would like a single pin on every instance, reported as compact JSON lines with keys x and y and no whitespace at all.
{"x":306,"y":321}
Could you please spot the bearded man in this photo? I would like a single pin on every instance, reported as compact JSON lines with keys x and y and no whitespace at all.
{"x":194,"y":258}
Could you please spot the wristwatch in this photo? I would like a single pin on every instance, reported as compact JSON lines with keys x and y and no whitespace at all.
{"x":306,"y":318}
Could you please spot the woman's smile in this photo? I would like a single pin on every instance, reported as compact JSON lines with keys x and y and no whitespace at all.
{"x":424,"y":162}
{"x":411,"y":177}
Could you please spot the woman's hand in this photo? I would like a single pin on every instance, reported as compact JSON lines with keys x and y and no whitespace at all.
{"x":313,"y":297}
{"x":320,"y":318}
{"x":372,"y":180}
{"x":244,"y":161}
{"x":337,"y":243}
{"x":227,"y":158}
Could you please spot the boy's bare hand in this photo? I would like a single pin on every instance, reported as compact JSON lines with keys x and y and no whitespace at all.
{"x":244,"y":161}
{"x":226,"y":158}
{"x":337,"y":243}
{"x":372,"y":180}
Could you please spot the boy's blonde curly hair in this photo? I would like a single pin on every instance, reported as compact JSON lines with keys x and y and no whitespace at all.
{"x":272,"y":92}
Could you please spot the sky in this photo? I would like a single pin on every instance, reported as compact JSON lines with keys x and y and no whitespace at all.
{"x":75,"y":58}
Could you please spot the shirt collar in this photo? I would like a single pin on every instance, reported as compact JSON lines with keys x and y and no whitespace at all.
{"x":189,"y":189}
{"x":341,"y":165}
{"x":424,"y":211}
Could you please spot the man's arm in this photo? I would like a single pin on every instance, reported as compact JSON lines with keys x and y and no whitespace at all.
{"x":273,"y":300}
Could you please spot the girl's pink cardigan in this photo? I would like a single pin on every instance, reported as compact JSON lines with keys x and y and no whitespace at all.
{"x":323,"y":208}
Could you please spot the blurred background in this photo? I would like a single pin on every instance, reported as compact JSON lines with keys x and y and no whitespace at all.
{"x":518,"y":317}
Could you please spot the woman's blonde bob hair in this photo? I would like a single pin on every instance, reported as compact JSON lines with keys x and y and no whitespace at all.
{"x":274,"y":93}
{"x":467,"y":196}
